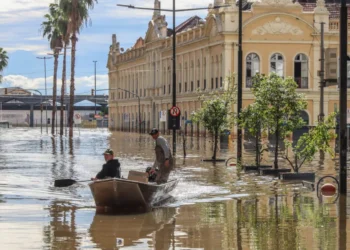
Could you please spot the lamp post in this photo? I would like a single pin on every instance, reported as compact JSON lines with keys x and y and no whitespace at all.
{"x":95,"y":85}
{"x":239,"y":87}
{"x":44,"y":58}
{"x":173,"y":10}
{"x":343,"y":97}
{"x":138,"y":97}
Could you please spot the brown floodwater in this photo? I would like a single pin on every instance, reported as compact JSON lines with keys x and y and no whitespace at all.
{"x":213,"y":207}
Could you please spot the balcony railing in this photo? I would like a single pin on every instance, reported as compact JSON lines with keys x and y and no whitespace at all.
{"x":334,"y":25}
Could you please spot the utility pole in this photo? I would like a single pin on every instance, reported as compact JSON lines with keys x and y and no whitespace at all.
{"x":343,"y":97}
{"x":95,"y":85}
{"x":239,"y":87}
{"x":44,"y":58}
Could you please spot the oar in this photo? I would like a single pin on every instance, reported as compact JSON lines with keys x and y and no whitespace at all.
{"x":66,"y":182}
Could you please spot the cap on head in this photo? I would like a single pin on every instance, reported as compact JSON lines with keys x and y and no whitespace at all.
{"x":154,"y":131}
{"x":108,"y":152}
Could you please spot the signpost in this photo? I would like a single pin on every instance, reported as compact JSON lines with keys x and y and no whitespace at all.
{"x":174,"y":118}
{"x":77,"y":118}
{"x":162,"y":116}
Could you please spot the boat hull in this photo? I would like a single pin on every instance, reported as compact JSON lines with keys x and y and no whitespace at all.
{"x":122,"y":195}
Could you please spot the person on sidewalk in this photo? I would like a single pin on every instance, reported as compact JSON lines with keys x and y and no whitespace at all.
{"x":164,"y":160}
{"x":111,"y":169}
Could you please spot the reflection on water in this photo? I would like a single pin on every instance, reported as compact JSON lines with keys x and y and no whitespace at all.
{"x":213,"y":207}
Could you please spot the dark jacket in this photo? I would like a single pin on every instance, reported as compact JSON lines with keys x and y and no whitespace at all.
{"x":110,"y":169}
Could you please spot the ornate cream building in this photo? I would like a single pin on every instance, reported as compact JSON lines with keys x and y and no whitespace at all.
{"x":279,"y":36}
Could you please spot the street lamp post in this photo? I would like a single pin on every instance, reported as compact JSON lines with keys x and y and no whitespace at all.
{"x":173,"y":10}
{"x":45,"y":57}
{"x":95,"y":85}
{"x":343,"y":97}
{"x":239,"y":87}
{"x":138,"y":97}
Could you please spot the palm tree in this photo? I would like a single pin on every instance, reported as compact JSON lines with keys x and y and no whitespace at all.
{"x":78,"y":14}
{"x":3,"y":61}
{"x":51,"y":30}
{"x":63,"y":26}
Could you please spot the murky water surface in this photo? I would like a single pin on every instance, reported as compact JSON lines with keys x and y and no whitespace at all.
{"x":213,"y":207}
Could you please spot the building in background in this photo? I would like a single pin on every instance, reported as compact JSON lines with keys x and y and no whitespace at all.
{"x":21,"y":107}
{"x":281,"y":36}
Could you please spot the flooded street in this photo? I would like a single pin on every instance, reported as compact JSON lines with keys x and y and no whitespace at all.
{"x":213,"y":206}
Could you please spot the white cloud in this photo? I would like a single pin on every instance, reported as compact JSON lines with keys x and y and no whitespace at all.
{"x":83,"y":85}
{"x":36,"y":48}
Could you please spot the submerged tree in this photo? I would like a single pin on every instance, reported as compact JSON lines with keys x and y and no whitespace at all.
{"x":77,"y":12}
{"x":318,"y":138}
{"x":52,"y":31}
{"x":215,"y":113}
{"x":253,"y":119}
{"x":281,"y":103}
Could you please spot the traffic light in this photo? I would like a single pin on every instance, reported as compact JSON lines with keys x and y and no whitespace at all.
{"x":92,"y":92}
{"x":174,"y":121}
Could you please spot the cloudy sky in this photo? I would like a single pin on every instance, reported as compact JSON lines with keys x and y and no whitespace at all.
{"x":21,"y":37}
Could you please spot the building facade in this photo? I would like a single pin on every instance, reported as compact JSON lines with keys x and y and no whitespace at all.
{"x":280,"y":36}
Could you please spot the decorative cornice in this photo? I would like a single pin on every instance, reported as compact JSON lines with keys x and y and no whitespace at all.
{"x":277,"y":27}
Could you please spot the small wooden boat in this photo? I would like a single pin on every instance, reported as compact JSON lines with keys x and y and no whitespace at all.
{"x":134,"y":194}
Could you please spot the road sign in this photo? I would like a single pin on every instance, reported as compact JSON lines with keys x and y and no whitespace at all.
{"x":77,"y":118}
{"x":175,"y":111}
{"x":162,"y":115}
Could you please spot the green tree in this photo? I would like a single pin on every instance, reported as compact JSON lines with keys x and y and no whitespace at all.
{"x":51,"y":30}
{"x":282,"y":105}
{"x":215,"y":113}
{"x":253,"y":119}
{"x":3,"y":61}
{"x":77,"y":12}
{"x":318,"y":138}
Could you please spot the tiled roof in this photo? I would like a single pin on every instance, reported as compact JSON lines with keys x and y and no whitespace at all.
{"x":189,"y":23}
{"x":332,"y":6}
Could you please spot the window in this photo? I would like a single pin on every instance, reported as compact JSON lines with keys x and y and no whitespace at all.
{"x":144,"y":92}
{"x":180,"y":87}
{"x":220,"y":81}
{"x":198,"y":84}
{"x":204,"y":84}
{"x":212,"y":83}
{"x":277,"y":64}
{"x":301,"y":71}
{"x":164,"y":90}
{"x":216,"y":83}
{"x":252,"y":68}
{"x":191,"y":86}
{"x":140,"y":92}
{"x":169,"y":88}
{"x":185,"y":86}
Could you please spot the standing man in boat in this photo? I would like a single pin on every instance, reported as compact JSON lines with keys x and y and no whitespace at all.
{"x":111,"y":169}
{"x":164,"y":159}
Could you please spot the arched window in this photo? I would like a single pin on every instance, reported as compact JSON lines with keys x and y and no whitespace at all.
{"x":277,"y":64}
{"x":252,"y":68}
{"x":301,"y":71}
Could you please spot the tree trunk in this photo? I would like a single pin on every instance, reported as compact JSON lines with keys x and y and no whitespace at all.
{"x":63,"y":88}
{"x":72,"y":87}
{"x":54,"y":92}
{"x":215,"y":144}
{"x":276,"y":146}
